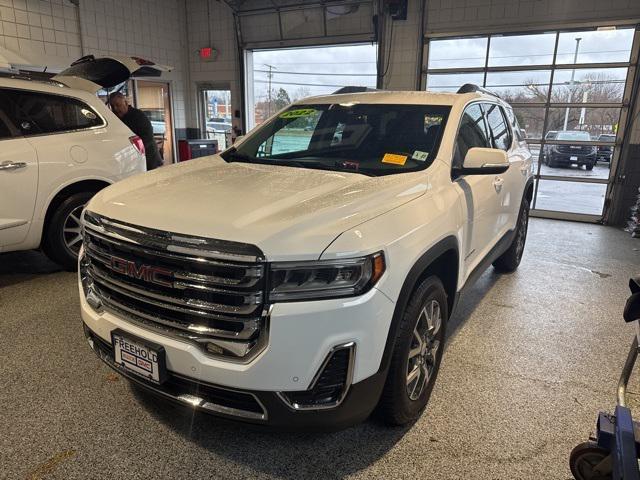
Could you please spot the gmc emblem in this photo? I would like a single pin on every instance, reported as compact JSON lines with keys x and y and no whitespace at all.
{"x":148,"y":273}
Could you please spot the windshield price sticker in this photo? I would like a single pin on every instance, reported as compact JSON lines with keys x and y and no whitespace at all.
{"x":420,"y":156}
{"x":394,"y":159}
{"x":304,"y":112}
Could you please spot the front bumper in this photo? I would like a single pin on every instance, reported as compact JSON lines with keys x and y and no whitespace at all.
{"x":301,"y":335}
{"x":258,"y":407}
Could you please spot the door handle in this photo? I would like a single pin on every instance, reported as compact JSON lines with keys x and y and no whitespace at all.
{"x":12,"y":165}
{"x":497,"y":183}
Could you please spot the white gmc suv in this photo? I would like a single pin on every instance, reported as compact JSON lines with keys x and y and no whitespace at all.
{"x":305,"y":276}
{"x":59,"y":144}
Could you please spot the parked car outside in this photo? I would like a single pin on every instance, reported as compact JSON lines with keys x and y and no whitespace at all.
{"x":566,"y":155}
{"x":605,"y":152}
{"x":59,"y":145}
{"x":300,"y":278}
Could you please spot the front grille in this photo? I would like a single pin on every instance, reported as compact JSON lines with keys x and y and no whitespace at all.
{"x":208,"y":291}
{"x":331,"y":383}
{"x":205,"y":396}
{"x":575,"y":149}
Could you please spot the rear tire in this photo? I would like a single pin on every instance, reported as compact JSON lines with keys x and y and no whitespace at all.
{"x":62,"y":238}
{"x":589,"y":166}
{"x":417,"y":353}
{"x":510,"y":259}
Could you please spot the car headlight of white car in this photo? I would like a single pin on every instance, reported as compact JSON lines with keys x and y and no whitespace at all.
{"x":295,"y":281}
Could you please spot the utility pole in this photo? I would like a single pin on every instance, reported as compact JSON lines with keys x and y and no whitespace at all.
{"x":269,"y":76}
{"x":573,"y":75}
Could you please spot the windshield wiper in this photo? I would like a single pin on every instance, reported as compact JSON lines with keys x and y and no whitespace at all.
{"x":336,"y":167}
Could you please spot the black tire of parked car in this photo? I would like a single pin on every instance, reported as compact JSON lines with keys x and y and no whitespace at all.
{"x":53,"y":243}
{"x":396,"y":407}
{"x":551,"y":162}
{"x":589,"y":166}
{"x":510,"y":259}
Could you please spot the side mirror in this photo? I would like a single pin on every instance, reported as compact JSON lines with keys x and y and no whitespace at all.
{"x":483,"y":161}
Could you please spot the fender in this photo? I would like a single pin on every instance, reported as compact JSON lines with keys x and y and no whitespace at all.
{"x":447,"y":243}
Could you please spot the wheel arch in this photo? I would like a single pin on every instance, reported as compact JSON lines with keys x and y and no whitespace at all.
{"x":528,"y":190}
{"x":88,"y":185}
{"x":442,"y":260}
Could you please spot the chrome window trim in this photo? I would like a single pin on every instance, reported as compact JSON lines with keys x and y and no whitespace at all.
{"x":351,"y":346}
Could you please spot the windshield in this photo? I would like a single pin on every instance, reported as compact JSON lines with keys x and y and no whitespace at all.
{"x":573,"y":136}
{"x":366,"y":138}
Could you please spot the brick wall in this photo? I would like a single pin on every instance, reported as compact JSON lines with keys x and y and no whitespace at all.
{"x":41,"y":30}
{"x":213,"y":26}
{"x":152,"y":29}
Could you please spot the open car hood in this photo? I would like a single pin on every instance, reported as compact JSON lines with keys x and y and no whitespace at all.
{"x":91,"y":74}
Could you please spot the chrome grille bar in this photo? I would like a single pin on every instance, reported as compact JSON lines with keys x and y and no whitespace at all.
{"x":212,"y":294}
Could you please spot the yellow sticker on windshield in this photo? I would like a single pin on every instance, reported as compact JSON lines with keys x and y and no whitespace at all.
{"x":301,"y":112}
{"x":395,"y":159}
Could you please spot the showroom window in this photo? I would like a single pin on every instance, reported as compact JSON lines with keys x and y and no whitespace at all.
{"x":563,"y":81}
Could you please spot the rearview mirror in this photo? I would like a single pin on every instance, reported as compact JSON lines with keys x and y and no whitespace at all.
{"x":483,"y":161}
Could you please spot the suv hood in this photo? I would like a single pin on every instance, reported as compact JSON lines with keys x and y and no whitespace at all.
{"x":289,"y":213}
{"x":91,"y":73}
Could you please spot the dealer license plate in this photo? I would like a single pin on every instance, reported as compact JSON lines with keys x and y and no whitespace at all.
{"x":138,"y":356}
{"x":573,"y":159}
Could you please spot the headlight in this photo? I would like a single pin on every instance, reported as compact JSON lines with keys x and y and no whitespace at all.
{"x":323,"y":279}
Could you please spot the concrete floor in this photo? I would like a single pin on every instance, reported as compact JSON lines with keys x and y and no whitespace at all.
{"x":531,"y":358}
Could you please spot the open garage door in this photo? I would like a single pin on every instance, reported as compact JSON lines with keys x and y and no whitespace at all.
{"x":570,"y":91}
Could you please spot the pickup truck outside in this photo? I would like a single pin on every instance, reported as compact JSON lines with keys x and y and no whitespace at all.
{"x":306,"y":276}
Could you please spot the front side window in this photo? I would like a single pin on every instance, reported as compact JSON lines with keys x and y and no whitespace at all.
{"x":472,"y":133}
{"x":37,"y":113}
{"x":497,"y":126}
{"x":373,"y":139}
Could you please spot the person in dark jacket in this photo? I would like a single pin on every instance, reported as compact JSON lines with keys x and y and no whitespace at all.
{"x":139,"y":124}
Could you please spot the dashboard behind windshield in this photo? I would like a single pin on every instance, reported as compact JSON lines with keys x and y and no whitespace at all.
{"x":374,"y":139}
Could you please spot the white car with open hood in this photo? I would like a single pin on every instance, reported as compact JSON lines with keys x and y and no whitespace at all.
{"x":59,"y":144}
{"x":307,"y":274}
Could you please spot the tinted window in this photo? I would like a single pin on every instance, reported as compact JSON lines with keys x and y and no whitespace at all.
{"x":497,"y":126}
{"x":5,"y":130}
{"x":472,"y":132}
{"x":34,"y":113}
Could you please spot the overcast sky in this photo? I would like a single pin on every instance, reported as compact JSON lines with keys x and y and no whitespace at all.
{"x":324,"y":70}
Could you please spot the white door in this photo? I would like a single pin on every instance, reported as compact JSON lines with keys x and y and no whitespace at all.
{"x":18,"y":188}
{"x":480,"y":194}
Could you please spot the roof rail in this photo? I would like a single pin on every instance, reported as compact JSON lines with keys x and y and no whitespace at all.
{"x":354,"y":89}
{"x":472,"y":87}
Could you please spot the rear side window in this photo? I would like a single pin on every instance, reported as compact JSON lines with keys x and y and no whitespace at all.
{"x":472,"y":133}
{"x":498,"y":128}
{"x":36,"y":113}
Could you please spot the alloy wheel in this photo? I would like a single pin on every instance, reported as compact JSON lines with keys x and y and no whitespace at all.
{"x":72,"y":230}
{"x":424,"y":348}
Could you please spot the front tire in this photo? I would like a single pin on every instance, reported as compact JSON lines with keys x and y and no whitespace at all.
{"x":417,"y":353}
{"x":62,"y":239}
{"x":510,"y":259}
